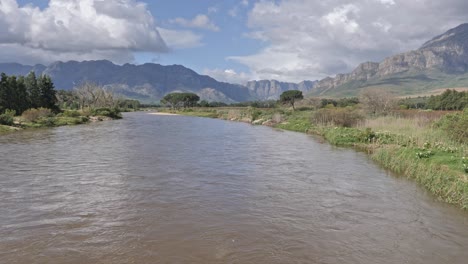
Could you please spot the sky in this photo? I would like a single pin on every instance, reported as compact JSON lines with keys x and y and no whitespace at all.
{"x":233,"y":41}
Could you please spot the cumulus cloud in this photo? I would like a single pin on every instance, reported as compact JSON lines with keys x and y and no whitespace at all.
{"x":180,"y":39}
{"x":229,"y":75}
{"x":199,"y":21}
{"x":81,"y":29}
{"x":314,"y":39}
{"x":236,"y":9}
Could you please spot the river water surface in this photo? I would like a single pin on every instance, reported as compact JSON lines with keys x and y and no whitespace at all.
{"x":174,"y":189}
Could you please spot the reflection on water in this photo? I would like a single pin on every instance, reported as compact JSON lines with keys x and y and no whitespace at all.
{"x":173,"y":189}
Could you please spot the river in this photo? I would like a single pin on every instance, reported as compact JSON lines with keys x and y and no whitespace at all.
{"x":175,"y":189}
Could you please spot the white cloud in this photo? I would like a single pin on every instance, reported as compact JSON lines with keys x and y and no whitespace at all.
{"x":199,"y":21}
{"x":180,"y":39}
{"x":308,"y":39}
{"x":76,"y":29}
{"x":233,"y":11}
{"x":387,"y":2}
{"x":236,"y":9}
{"x":212,"y":10}
{"x":228,"y":75}
{"x":341,"y":17}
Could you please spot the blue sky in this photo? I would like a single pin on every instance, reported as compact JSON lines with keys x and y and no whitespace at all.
{"x":234,"y":41}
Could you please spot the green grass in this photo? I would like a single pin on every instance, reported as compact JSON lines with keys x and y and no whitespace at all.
{"x":403,"y":84}
{"x":298,"y":121}
{"x":5,"y":129}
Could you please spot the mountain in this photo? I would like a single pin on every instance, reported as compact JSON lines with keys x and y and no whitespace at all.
{"x":148,"y":82}
{"x":441,"y":62}
{"x":19,"y":69}
{"x":272,"y":89}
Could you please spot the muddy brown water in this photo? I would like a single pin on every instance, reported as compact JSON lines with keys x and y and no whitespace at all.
{"x":175,"y":189}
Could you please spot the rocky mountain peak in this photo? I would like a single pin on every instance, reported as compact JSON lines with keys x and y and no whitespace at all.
{"x":457,"y":36}
{"x":272,"y":89}
{"x":446,"y":53}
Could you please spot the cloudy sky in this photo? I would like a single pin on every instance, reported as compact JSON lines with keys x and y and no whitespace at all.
{"x":235,"y":41}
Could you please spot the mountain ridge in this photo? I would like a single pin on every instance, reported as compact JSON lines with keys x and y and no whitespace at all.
{"x":438,"y":59}
{"x":147,"y":82}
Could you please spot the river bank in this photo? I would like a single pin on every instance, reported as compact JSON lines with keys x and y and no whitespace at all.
{"x":43,"y":118}
{"x":413,"y":144}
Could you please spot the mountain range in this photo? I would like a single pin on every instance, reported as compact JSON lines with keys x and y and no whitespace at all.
{"x":441,"y":62}
{"x":150,"y":82}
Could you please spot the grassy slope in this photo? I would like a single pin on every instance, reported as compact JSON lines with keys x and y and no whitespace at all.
{"x":392,"y":142}
{"x":405,"y":84}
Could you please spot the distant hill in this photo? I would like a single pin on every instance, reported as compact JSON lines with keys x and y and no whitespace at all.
{"x":148,"y":82}
{"x":440,"y":63}
{"x":272,"y":89}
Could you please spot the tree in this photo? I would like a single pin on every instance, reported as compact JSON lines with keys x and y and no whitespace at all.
{"x":448,"y":100}
{"x":48,"y":93}
{"x":189,"y":99}
{"x":4,"y":92}
{"x":94,"y":96}
{"x":21,"y":98}
{"x":377,"y":101}
{"x":177,"y":100}
{"x":32,"y":88}
{"x":289,"y":97}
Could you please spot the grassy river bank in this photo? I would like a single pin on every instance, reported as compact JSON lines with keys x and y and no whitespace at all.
{"x":41,"y":118}
{"x":429,"y":147}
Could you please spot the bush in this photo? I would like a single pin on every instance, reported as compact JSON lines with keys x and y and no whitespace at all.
{"x":46,"y":121}
{"x":254,"y":113}
{"x":7,"y":118}
{"x":344,"y":117}
{"x":109,"y":112}
{"x":456,"y":125}
{"x":32,"y":115}
{"x":71,"y":113}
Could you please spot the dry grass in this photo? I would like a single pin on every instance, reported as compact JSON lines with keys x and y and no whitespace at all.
{"x":418,"y":126}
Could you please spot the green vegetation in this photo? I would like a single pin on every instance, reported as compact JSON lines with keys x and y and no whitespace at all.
{"x":427,"y":146}
{"x":402,"y":84}
{"x":178,"y":100}
{"x":30,"y":102}
{"x":448,"y":100}
{"x":455,"y":125}
{"x":22,"y":93}
{"x":291,"y":96}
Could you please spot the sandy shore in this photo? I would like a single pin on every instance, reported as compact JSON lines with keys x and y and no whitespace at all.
{"x":163,"y":114}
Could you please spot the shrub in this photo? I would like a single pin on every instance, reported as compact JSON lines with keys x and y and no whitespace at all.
{"x":277,"y":118}
{"x":71,"y":113}
{"x":109,"y":112}
{"x":46,"y":121}
{"x":254,"y":113}
{"x":32,"y":115}
{"x":456,"y":125}
{"x":344,"y":117}
{"x":7,"y":118}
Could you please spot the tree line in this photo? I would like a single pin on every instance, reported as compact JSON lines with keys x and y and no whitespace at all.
{"x":449,"y":100}
{"x":24,"y":92}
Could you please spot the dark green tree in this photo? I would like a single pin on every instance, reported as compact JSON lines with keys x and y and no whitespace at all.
{"x":21,"y":98}
{"x":48,"y":93}
{"x":4,"y":92}
{"x":189,"y":99}
{"x":32,"y":87}
{"x":177,"y":100}
{"x":290,"y":97}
